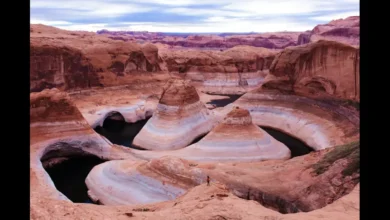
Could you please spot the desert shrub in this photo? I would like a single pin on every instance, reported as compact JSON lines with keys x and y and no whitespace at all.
{"x":349,"y":151}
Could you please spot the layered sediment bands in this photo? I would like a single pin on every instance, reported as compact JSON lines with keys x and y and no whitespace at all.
{"x":236,"y":139}
{"x":57,"y":129}
{"x":323,"y":69}
{"x":233,"y":71}
{"x":318,"y":123}
{"x":133,"y":102}
{"x":127,"y":182}
{"x":78,"y":60}
{"x":235,"y":60}
{"x":180,"y":117}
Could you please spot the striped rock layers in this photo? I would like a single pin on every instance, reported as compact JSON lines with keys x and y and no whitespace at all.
{"x":180,"y":118}
{"x":238,"y":139}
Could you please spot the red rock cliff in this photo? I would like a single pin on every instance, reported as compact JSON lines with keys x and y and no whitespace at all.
{"x":70,"y":60}
{"x":320,"y":68}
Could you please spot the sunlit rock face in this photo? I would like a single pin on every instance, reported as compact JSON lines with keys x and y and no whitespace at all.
{"x":179,"y":118}
{"x":321,"y":69}
{"x":232,"y":71}
{"x":125,"y":182}
{"x":73,"y":60}
{"x":237,"y":139}
{"x":342,"y":30}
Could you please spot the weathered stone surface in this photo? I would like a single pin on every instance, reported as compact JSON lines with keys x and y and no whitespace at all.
{"x":63,"y":129}
{"x":235,"y":139}
{"x":180,"y":117}
{"x":342,"y":30}
{"x":126,"y":182}
{"x":272,"y":40}
{"x":233,"y":71}
{"x":318,"y":123}
{"x":72,"y":60}
{"x":323,"y":69}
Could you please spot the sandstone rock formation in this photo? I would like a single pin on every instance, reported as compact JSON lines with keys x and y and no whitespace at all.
{"x":303,"y":183}
{"x":233,"y":71}
{"x":237,"y":139}
{"x":319,"y":123}
{"x":57,"y":129}
{"x":324,"y":68}
{"x":83,"y":60}
{"x":309,"y":182}
{"x":342,"y":30}
{"x":79,"y":60}
{"x":310,"y":92}
{"x":180,"y":117}
{"x":272,"y":40}
{"x":125,"y":182}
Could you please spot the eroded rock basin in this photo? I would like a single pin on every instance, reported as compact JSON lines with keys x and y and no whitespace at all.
{"x":296,"y":146}
{"x":121,"y":132}
{"x":69,"y":176}
{"x":285,"y":186}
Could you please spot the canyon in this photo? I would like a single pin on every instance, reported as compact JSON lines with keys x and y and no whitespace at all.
{"x":196,"y":107}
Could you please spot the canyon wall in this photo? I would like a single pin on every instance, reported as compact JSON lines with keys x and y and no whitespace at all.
{"x":322,"y":68}
{"x":78,"y":60}
{"x":342,"y":30}
{"x":272,"y":40}
{"x":71,"y":60}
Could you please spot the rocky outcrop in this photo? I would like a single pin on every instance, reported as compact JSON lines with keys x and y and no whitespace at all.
{"x":235,"y":139}
{"x":126,"y":182}
{"x":60,"y":67}
{"x":180,"y":117}
{"x":233,"y":71}
{"x":319,"y":123}
{"x":272,"y":40}
{"x":323,"y":69}
{"x":342,"y":30}
{"x":78,"y":60}
{"x":238,"y":139}
{"x":58,"y":130}
{"x":303,"y":183}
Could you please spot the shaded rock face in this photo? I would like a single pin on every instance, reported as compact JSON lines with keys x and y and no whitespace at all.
{"x":304,"y":38}
{"x":320,"y":68}
{"x":60,"y":67}
{"x":180,"y":117}
{"x":51,"y":105}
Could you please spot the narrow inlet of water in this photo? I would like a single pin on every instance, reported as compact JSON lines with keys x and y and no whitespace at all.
{"x":223,"y":102}
{"x":120,"y":132}
{"x":296,"y":146}
{"x":69,"y":177}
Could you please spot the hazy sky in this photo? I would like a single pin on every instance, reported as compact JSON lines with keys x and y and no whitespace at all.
{"x":190,"y":15}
